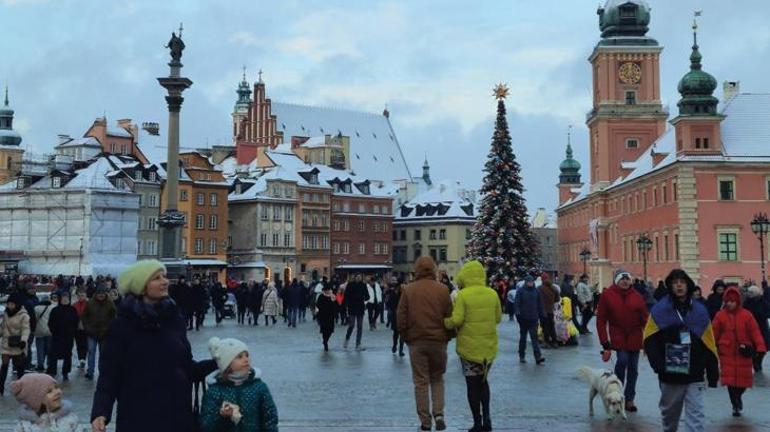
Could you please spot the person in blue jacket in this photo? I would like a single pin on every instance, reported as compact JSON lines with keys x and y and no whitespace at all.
{"x":146,"y":364}
{"x":529,"y":312}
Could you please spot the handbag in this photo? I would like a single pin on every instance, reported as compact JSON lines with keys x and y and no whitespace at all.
{"x":14,"y":341}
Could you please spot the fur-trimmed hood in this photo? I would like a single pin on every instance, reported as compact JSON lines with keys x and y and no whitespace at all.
{"x":64,"y":418}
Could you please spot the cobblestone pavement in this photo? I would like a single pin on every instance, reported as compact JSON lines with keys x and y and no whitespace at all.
{"x":372,"y":390}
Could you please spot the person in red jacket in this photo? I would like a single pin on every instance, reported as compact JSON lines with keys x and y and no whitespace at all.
{"x":738,"y":338}
{"x":623,"y":311}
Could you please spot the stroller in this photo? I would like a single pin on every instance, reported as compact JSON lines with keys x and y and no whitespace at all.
{"x":230,"y":304}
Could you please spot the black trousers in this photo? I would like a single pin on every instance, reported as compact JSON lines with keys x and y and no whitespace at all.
{"x":585,"y":316}
{"x":549,"y":329}
{"x":736,"y":397}
{"x":18,"y":367}
{"x":374,"y":312}
{"x":241,"y":315}
{"x":81,"y":344}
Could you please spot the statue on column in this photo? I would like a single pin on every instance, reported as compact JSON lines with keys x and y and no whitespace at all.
{"x":176,"y":45}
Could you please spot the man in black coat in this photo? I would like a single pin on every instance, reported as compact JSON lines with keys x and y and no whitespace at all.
{"x":198,"y":302}
{"x":63,"y":324}
{"x":356,"y":295}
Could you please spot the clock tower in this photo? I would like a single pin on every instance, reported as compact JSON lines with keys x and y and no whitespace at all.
{"x":627,"y":114}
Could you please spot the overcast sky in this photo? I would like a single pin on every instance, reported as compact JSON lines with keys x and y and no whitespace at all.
{"x":433,"y":63}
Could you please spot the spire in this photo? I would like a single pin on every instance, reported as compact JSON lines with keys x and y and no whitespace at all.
{"x":6,"y":95}
{"x":569,"y":168}
{"x":695,"y":57}
{"x":8,"y":136}
{"x":697,"y":86}
{"x":260,"y":77}
{"x":426,"y":171}
{"x":244,"y":94}
{"x":244,"y":74}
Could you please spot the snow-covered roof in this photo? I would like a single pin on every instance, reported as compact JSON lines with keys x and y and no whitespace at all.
{"x":81,"y":142}
{"x":745,"y":135}
{"x":118,"y":132}
{"x":153,"y":147}
{"x":374,"y":148}
{"x":444,"y":200}
{"x":288,"y":167}
{"x":93,"y":176}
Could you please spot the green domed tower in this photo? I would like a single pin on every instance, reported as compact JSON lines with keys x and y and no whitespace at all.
{"x":696,"y":86}
{"x":625,"y":22}
{"x":8,"y":136}
{"x":569,"y":168}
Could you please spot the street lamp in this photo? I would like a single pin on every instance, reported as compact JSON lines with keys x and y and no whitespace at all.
{"x":644,"y":244}
{"x":585,"y":254}
{"x":761,"y":226}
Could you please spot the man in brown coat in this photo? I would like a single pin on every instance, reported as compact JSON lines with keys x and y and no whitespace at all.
{"x":550,"y":295}
{"x":420,"y":318}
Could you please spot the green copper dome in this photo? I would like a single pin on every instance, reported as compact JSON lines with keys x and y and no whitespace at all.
{"x":697,"y":87}
{"x":570,"y":168}
{"x":8,"y":136}
{"x":624,"y":18}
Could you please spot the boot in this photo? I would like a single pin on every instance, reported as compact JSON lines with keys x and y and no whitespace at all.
{"x":630,"y":407}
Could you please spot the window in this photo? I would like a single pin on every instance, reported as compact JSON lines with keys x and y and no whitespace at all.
{"x":442,"y":255}
{"x":664,"y":192}
{"x":432,"y":235}
{"x":362,"y":248}
{"x":434,"y":254}
{"x":361,"y":226}
{"x":376,"y":209}
{"x":183,"y":195}
{"x":630,"y":97}
{"x":346,"y":207}
{"x":151,"y":249}
{"x":198,"y":246}
{"x":384,"y":227}
{"x":153,"y":201}
{"x":200,"y":221}
{"x":123,"y":149}
{"x":728,"y":246}
{"x":153,"y":176}
{"x":275,"y":239}
{"x":632,"y":143}
{"x":346,"y":225}
{"x":213,"y":200}
{"x":263,"y":239}
{"x":276,"y":212}
{"x":726,"y":189}
{"x":200,"y":199}
{"x":676,"y":247}
{"x":417,"y":235}
{"x":287,"y":239}
{"x":336,"y":207}
{"x":213,"y":246}
{"x":674,"y":192}
{"x":325,"y":242}
{"x":417,"y":254}
{"x":336,"y":225}
{"x":361,"y":208}
{"x":119,"y":183}
{"x":138,"y":175}
{"x":442,"y":234}
{"x":213,"y":222}
{"x":384,"y":249}
{"x":376,"y":226}
{"x":644,"y":200}
{"x":152,"y":224}
{"x":184,"y":244}
{"x":697,"y":143}
{"x":287,"y":192}
{"x":657,"y":249}
{"x":403,"y":235}
{"x":666,"y":254}
{"x":139,"y":247}
{"x":376,"y":248}
{"x":263,"y":212}
{"x":346,"y":248}
{"x":113,"y":148}
{"x":336,"y":248}
{"x":288,"y":214}
{"x":56,"y":182}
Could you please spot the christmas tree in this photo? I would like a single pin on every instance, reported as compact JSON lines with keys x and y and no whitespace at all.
{"x":502,"y":238}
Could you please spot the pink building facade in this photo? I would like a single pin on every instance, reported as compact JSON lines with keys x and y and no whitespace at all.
{"x":691,"y":188}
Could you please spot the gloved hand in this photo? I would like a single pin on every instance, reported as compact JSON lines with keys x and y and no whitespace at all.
{"x":23,"y":345}
{"x":606,"y":355}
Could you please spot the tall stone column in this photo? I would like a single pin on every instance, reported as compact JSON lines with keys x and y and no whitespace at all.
{"x":172,"y":220}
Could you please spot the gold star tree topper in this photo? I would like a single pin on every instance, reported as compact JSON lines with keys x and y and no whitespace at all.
{"x":501,"y":91}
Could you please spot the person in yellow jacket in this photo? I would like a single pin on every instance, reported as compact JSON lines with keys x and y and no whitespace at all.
{"x":476,"y":313}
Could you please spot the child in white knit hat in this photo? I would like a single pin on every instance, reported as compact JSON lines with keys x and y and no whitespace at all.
{"x":238,"y":399}
{"x":42,"y":407}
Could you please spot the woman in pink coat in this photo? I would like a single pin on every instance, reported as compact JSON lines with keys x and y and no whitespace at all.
{"x":738,"y":338}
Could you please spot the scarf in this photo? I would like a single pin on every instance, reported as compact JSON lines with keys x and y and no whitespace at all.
{"x":238,"y":378}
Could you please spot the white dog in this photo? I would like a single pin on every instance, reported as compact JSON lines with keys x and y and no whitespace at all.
{"x":609,"y":387}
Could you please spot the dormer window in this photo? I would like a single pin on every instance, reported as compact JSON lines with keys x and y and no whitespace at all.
{"x":56,"y":182}
{"x":364,"y":189}
{"x":346,"y":188}
{"x":119,"y":183}
{"x":138,"y":175}
{"x":21,"y":183}
{"x":238,"y":189}
{"x":632,"y":143}
{"x":313,"y":178}
{"x":628,"y":11}
{"x":153,"y":176}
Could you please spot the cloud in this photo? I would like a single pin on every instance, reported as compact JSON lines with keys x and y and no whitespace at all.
{"x":244,"y":38}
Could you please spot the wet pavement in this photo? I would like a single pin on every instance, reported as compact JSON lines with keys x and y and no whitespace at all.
{"x":372,"y":390}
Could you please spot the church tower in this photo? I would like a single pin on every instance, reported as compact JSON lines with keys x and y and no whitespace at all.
{"x":698,"y":124}
{"x":10,"y":143}
{"x":241,"y":110}
{"x":627,"y":114}
{"x":569,"y":177}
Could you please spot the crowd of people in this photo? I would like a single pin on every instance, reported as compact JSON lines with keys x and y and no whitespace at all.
{"x":690,"y":341}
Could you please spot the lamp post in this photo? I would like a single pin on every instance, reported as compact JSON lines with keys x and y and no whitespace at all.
{"x":585,"y":254}
{"x":644,"y":244}
{"x":761,"y":226}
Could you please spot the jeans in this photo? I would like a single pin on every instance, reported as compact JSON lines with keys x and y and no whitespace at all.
{"x":93,"y":345}
{"x":43,"y":346}
{"x":428,"y":361}
{"x":675,"y":396}
{"x":627,"y":369}
{"x":528,"y":327}
{"x":293,"y":313}
{"x":355,"y":321}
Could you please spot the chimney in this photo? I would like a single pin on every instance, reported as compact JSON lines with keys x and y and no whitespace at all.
{"x":125,"y":123}
{"x":730,"y":89}
{"x":64,"y":139}
{"x":152,"y":128}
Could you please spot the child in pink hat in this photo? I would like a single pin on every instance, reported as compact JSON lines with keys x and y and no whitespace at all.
{"x":42,"y":407}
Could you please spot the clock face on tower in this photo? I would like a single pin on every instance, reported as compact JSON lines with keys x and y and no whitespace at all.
{"x":630,"y":73}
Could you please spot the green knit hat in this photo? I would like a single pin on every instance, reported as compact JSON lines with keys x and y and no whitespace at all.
{"x":134,"y":279}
